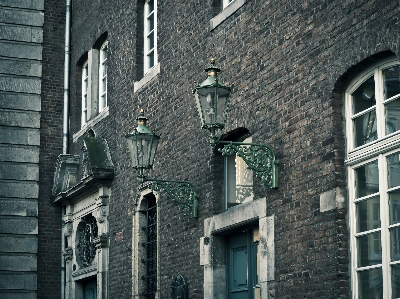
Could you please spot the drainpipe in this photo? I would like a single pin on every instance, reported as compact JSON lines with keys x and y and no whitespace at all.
{"x":65,"y":126}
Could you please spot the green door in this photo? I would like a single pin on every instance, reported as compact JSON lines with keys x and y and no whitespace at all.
{"x":241,"y":265}
{"x":90,"y":289}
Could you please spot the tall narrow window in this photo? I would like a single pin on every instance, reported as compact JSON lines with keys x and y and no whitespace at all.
{"x":85,"y":84}
{"x":103,"y":77}
{"x":238,"y":179}
{"x":150,"y":34}
{"x":373,"y":134}
{"x":151,"y":248}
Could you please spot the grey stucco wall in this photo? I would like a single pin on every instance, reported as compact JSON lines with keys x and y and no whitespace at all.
{"x":21,"y":37}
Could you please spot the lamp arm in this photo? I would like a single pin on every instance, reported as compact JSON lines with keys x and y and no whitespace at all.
{"x":258,"y":157}
{"x":181,"y":192}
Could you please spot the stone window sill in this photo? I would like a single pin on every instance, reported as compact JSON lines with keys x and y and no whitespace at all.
{"x":150,"y":75}
{"x":226,"y":13}
{"x":91,"y":123}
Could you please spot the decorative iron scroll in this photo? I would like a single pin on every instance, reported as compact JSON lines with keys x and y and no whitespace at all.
{"x":181,"y":192}
{"x":258,"y":157}
{"x":87,"y":232}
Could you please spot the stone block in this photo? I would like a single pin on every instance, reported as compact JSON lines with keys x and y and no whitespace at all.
{"x":18,"y":225}
{"x":19,"y":243}
{"x":19,"y":33}
{"x":23,"y":136}
{"x":18,"y":207}
{"x":18,"y":295}
{"x":21,"y":50}
{"x":20,"y":172}
{"x":23,"y":17}
{"x":20,"y":101}
{"x":33,"y":4}
{"x":15,"y":153}
{"x":18,"y":281}
{"x":20,"y":84}
{"x":21,"y":67}
{"x":16,"y":118}
{"x":238,"y":216}
{"x":18,"y":262}
{"x":332,"y":199}
{"x":19,"y":153}
{"x":22,"y":189}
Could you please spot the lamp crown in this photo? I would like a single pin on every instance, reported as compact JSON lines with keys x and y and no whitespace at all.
{"x":142,"y":119}
{"x":212,"y":71}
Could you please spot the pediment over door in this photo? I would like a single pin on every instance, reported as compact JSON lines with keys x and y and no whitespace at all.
{"x":78,"y":174}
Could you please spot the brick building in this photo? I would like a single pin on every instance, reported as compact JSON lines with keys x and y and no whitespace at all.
{"x":318,"y":82}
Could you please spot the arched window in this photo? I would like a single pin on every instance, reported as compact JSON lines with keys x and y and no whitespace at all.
{"x":145,"y":244}
{"x":373,"y":165}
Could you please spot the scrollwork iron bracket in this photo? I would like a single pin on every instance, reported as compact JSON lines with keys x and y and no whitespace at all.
{"x":258,"y":157}
{"x":181,"y":192}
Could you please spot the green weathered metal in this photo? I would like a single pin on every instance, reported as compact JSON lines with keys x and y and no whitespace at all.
{"x":258,"y":157}
{"x":142,"y":144}
{"x":181,"y":192}
{"x":212,"y":100}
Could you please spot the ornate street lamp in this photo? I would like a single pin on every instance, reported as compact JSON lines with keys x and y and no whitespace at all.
{"x":212,"y":99}
{"x":142,"y":145}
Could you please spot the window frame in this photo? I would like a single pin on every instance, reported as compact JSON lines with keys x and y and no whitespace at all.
{"x":149,"y":51}
{"x":85,"y":90}
{"x":103,"y":57}
{"x":377,"y":150}
{"x":225,"y":3}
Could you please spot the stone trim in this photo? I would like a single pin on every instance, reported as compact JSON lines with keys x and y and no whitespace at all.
{"x":91,"y":123}
{"x":212,"y":246}
{"x":150,"y":75}
{"x":226,"y":13}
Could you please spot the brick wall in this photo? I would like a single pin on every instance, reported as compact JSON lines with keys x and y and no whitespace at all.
{"x":51,"y":122}
{"x":291,"y":61}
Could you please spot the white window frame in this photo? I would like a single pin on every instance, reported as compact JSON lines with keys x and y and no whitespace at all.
{"x":103,"y":77}
{"x":376,"y":150}
{"x":85,"y":88}
{"x":225,"y":3}
{"x":148,"y":32}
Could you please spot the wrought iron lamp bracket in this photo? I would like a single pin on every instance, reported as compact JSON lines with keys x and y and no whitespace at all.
{"x":181,"y":192}
{"x":258,"y":157}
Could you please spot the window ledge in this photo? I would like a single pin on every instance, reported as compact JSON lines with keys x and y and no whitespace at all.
{"x":226,"y":13}
{"x":152,"y":73}
{"x":91,"y":123}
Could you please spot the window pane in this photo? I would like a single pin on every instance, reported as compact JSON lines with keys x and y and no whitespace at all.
{"x":369,"y":249}
{"x":238,"y":180}
{"x":371,"y":284}
{"x":392,"y":113}
{"x":393,"y":164}
{"x":150,"y":60}
{"x":150,"y":5}
{"x":365,"y":128}
{"x":368,"y":214}
{"x":364,"y":96}
{"x":150,"y":23}
{"x":367,"y":179}
{"x":394,"y":207}
{"x":391,"y":79}
{"x":395,"y":243}
{"x":150,"y":41}
{"x":396,"y":281}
